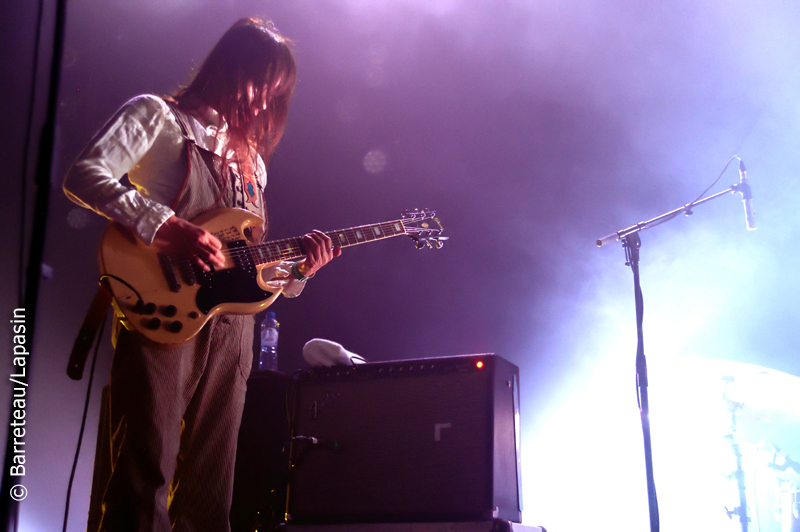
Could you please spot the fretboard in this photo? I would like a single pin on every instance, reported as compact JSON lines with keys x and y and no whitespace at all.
{"x":292,"y":248}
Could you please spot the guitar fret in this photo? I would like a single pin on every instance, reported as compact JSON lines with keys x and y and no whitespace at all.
{"x":290,"y":248}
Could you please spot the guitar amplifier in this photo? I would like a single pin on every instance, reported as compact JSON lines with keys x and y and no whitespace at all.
{"x":428,"y":440}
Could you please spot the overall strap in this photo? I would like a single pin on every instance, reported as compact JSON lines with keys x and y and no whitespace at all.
{"x":201,"y":190}
{"x":207,"y":185}
{"x":180,"y":118}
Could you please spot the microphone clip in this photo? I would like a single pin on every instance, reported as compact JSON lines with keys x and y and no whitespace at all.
{"x":743,"y":188}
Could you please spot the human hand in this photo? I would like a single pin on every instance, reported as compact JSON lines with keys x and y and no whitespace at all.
{"x":179,"y":236}
{"x":319,"y":252}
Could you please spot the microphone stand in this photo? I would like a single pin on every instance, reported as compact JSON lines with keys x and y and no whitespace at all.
{"x":631,"y":243}
{"x":742,"y":188}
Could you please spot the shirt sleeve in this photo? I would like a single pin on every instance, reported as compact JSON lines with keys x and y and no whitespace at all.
{"x":280,"y":276}
{"x":93,"y":181}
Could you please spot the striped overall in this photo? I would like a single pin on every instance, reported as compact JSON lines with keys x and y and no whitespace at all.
{"x":175,"y":412}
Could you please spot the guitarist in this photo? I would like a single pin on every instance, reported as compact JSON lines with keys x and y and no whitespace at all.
{"x":175,"y":412}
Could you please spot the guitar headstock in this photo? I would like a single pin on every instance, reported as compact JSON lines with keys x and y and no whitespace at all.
{"x":424,"y":228}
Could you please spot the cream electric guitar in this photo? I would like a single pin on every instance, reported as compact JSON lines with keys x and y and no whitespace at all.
{"x":167,"y":299}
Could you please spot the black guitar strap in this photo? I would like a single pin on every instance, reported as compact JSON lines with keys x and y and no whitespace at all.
{"x":88,"y":332}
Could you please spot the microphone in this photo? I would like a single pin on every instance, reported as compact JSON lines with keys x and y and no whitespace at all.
{"x":747,"y":197}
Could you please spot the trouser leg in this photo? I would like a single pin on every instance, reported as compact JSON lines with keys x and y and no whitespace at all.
{"x":203,"y":484}
{"x":150,"y":388}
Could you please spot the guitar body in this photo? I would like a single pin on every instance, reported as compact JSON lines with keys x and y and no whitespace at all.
{"x":166,"y":300}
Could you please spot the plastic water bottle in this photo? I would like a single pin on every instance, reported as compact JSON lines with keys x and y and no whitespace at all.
{"x":268,"y":359}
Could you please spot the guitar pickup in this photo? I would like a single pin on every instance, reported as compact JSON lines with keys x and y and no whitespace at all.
{"x":169,"y":272}
{"x":188,"y":272}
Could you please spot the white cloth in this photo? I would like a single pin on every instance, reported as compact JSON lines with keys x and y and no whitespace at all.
{"x":322,"y":352}
{"x":144,"y":140}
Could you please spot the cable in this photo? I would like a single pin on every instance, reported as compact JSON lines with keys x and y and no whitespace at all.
{"x":83,"y":422}
{"x":100,"y":280}
{"x":288,"y":448}
{"x":26,"y":149}
{"x":689,"y":207}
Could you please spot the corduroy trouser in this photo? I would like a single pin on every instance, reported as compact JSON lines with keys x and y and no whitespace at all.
{"x":175,"y":417}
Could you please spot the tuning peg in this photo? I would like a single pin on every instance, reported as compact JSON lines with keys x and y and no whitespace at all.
{"x":419,"y":243}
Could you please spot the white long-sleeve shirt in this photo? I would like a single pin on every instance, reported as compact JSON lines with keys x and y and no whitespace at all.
{"x":144,"y":140}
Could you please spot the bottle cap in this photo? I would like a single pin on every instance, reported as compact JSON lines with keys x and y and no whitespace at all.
{"x":270,"y":315}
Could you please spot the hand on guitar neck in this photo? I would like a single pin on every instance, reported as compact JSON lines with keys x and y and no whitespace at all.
{"x":319,"y":252}
{"x":179,"y":236}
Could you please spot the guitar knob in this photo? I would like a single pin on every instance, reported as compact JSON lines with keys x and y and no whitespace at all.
{"x":175,"y":326}
{"x":194,"y":315}
{"x":169,"y":311}
{"x":149,"y":308}
{"x":153,"y":324}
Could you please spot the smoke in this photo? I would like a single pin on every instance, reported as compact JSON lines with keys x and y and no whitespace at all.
{"x":534,"y":128}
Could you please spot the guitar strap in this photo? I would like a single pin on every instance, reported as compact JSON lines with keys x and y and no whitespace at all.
{"x":88,"y":332}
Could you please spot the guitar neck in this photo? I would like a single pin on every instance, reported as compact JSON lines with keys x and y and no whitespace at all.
{"x":292,"y":248}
